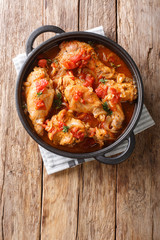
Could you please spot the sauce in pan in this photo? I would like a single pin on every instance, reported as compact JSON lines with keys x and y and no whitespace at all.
{"x":111,"y":60}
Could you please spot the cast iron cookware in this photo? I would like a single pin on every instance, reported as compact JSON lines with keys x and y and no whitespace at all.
{"x":82,"y":36}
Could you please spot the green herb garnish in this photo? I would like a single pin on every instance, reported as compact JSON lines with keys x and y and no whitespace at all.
{"x":115,"y":66}
{"x":103,"y":80}
{"x":49,"y":61}
{"x":91,"y":43}
{"x":65,"y":129}
{"x":106,"y":108}
{"x":112,"y":64}
{"x":39,"y":93}
{"x":55,"y":61}
{"x":59,"y":95}
{"x":58,"y":101}
{"x":24,"y":106}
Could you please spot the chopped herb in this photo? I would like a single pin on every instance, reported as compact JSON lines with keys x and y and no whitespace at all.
{"x":55,"y":61}
{"x":59,"y":95}
{"x":39,"y":93}
{"x":58,"y":101}
{"x":103,"y":80}
{"x":106,"y":108}
{"x":24,"y":106}
{"x":65,"y":129}
{"x":112,"y":64}
{"x":115,"y":66}
{"x":91,"y":43}
{"x":49,"y":61}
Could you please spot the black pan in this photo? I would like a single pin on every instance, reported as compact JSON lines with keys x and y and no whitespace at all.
{"x":82,"y":36}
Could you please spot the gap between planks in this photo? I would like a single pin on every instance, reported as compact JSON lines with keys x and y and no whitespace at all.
{"x":81,"y":175}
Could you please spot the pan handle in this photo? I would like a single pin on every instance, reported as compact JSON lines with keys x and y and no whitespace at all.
{"x":123,"y":156}
{"x":37,"y":32}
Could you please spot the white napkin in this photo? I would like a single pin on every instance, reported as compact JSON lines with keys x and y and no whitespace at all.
{"x":55,"y":163}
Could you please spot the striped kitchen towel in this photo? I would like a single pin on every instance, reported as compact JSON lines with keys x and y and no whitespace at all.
{"x":55,"y":163}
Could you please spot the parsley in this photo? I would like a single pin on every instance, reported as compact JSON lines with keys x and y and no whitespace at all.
{"x":103,"y":80}
{"x":24,"y":106}
{"x":59,"y":95}
{"x":106,"y":108}
{"x":49,"y":61}
{"x":39,"y":93}
{"x":115,"y":66}
{"x":65,"y":129}
{"x":112,"y":64}
{"x":58,"y":101}
{"x":91,"y":43}
{"x":55,"y":61}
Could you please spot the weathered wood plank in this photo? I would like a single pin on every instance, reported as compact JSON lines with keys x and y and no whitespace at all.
{"x":60,"y":191}
{"x":97,"y":202}
{"x":20,"y":161}
{"x":60,"y":203}
{"x":96,"y":13}
{"x":79,"y":203}
{"x":98,"y":181}
{"x":138,"y":195}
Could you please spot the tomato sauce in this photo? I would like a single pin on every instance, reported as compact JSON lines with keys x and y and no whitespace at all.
{"x":110,"y":59}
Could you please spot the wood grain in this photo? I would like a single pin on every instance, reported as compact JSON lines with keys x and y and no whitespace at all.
{"x":138,"y":183}
{"x":20,"y":161}
{"x":97,"y":202}
{"x":98,"y":181}
{"x":60,"y":191}
{"x":92,"y":201}
{"x":60,"y":203}
{"x":96,"y":13}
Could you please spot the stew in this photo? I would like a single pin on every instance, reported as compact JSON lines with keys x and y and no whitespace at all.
{"x":79,"y":97}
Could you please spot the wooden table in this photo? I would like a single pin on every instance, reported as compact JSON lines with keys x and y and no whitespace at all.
{"x":92,"y":201}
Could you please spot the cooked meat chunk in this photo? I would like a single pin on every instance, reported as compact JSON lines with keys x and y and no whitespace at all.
{"x":64,"y":129}
{"x":74,"y":54}
{"x":100,"y":135}
{"x":98,"y":69}
{"x":39,"y":97}
{"x":67,"y":79}
{"x":83,"y":99}
{"x":114,"y":121}
{"x":111,"y":90}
